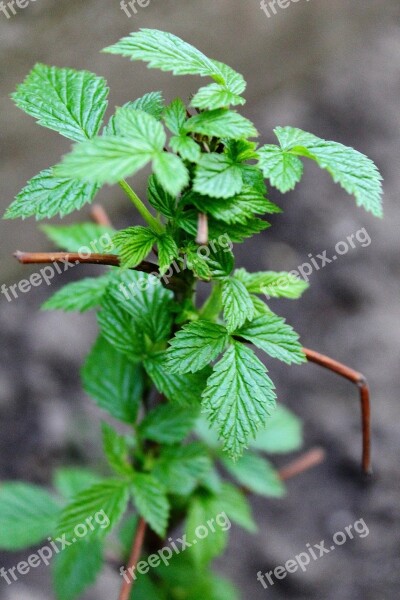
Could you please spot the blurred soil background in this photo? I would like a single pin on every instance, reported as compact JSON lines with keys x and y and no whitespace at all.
{"x":332,"y":68}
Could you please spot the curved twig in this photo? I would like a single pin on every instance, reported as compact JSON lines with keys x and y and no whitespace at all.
{"x":361,"y":382}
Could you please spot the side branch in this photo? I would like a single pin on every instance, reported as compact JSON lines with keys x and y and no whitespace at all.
{"x":133,"y":560}
{"x":361,"y":382}
{"x":75,"y":258}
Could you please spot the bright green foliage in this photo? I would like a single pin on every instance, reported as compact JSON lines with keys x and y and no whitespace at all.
{"x":239,"y":397}
{"x":195,"y":346}
{"x":176,"y":367}
{"x":237,"y":303}
{"x":283,"y":433}
{"x":181,"y":468}
{"x":76,"y":568}
{"x":82,"y":237}
{"x":113,"y":381}
{"x":273,"y":335}
{"x":110,"y":496}
{"x":218,"y":176}
{"x":28,"y":515}
{"x":256,"y":474}
{"x":168,"y":424}
{"x":272,"y":285}
{"x":80,"y":296}
{"x":221,"y":123}
{"x":356,"y":173}
{"x":151,"y":501}
{"x":116,"y":449}
{"x":69,"y":481}
{"x":134,"y":244}
{"x":70,"y":102}
{"x":47,"y":195}
{"x":201,"y":510}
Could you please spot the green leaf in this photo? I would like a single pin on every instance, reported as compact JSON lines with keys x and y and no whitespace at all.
{"x":28,"y":515}
{"x":152,"y":103}
{"x":76,"y":568}
{"x":47,"y":195}
{"x":237,"y":209}
{"x":175,"y":116}
{"x":355,"y":172}
{"x":104,"y":160}
{"x":81,"y":237}
{"x":117,"y":327}
{"x":223,"y":93}
{"x":141,"y":128}
{"x":201,"y":511}
{"x":282,"y":168}
{"x":167,"y":252}
{"x":186,"y":147}
{"x":116,"y":449}
{"x":113,"y":381}
{"x":171,"y":172}
{"x":237,"y":303}
{"x":134,"y":244}
{"x":168,"y":423}
{"x":215,"y":96}
{"x":181,"y":468}
{"x":167,"y":52}
{"x":221,"y":123}
{"x":218,"y":176}
{"x":180,"y":389}
{"x":273,"y":335}
{"x":273,"y":284}
{"x":233,"y":502}
{"x":147,"y":301}
{"x":151,"y":502}
{"x":160,"y":199}
{"x":239,"y":397}
{"x":195,"y":346}
{"x":283,"y":433}
{"x":257,"y":475}
{"x":108,"y":499}
{"x":68,"y":101}
{"x":70,"y":481}
{"x":79,"y":296}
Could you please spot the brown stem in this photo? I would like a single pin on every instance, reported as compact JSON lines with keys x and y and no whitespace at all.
{"x":310,"y":459}
{"x":100,"y":216}
{"x":136,"y":551}
{"x":361,"y":382}
{"x":75,"y":258}
{"x":202,"y":230}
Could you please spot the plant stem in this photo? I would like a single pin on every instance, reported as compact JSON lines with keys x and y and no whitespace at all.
{"x":70,"y":259}
{"x":361,"y":382}
{"x":100,"y":216}
{"x":309,"y":460}
{"x":143,"y":211}
{"x":133,"y":560}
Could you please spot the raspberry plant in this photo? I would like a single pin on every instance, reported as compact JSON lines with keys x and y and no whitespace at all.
{"x":180,"y":374}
